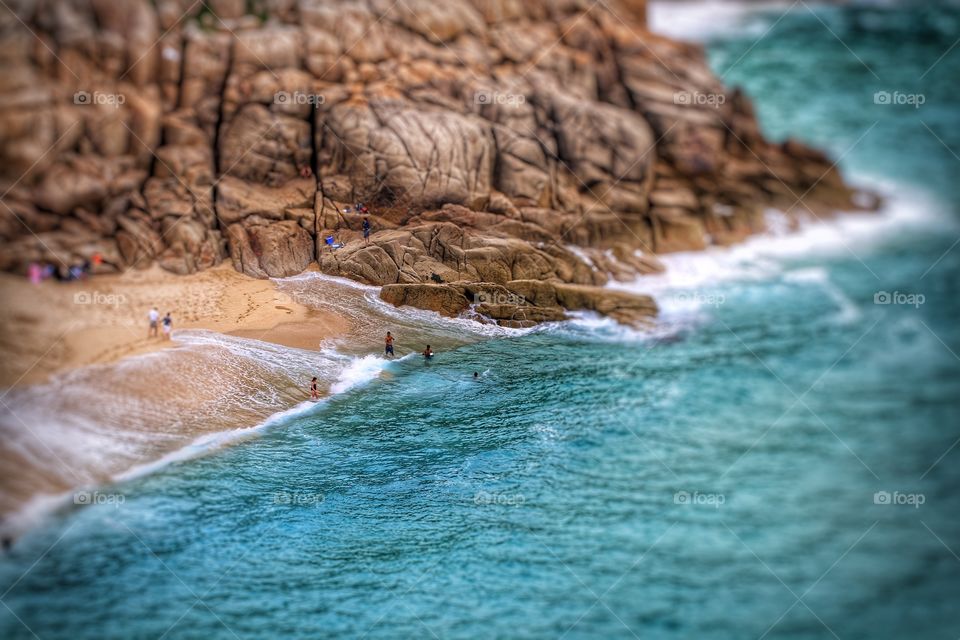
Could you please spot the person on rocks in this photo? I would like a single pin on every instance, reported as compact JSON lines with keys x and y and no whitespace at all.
{"x":366,"y":230}
{"x":167,"y":326}
{"x":388,"y":345}
{"x":313,"y":389}
{"x":154,"y":317}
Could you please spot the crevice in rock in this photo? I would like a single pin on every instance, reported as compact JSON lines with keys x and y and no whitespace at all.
{"x":314,"y":166}
{"x":215,"y":155}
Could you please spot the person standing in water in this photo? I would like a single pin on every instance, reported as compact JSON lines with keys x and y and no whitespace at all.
{"x":154,"y":317}
{"x":428,"y":352}
{"x":313,"y":389}
{"x":388,"y":345}
{"x":167,"y":326}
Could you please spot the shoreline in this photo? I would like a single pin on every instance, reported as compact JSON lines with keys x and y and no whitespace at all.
{"x":106,"y":318}
{"x":110,"y":323}
{"x":237,"y":305}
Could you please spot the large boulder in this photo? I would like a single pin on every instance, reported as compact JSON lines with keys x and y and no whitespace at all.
{"x":444,"y":299}
{"x":274,"y":250}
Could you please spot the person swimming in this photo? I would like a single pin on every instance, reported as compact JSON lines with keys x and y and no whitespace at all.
{"x":476,"y":376}
{"x":428,"y":352}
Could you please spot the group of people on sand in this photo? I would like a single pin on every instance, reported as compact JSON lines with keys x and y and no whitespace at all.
{"x":37,"y":272}
{"x":156,"y":322}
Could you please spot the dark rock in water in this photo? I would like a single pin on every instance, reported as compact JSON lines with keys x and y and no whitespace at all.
{"x":477,"y":157}
{"x":522,"y":303}
{"x":446,"y":300}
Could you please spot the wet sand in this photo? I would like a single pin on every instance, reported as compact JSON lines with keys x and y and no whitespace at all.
{"x":86,"y":396}
{"x":54,"y":327}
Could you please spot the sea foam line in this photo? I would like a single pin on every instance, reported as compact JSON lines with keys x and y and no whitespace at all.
{"x":701,"y":20}
{"x":765,"y":256}
{"x":358,"y":372}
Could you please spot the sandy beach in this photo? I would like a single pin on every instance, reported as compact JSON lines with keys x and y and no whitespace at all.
{"x":53,"y":327}
{"x":65,"y":426}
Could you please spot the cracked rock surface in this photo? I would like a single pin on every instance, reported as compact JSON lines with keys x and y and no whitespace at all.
{"x":494,"y":142}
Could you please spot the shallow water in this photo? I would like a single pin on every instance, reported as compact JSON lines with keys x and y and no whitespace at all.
{"x":776,"y":459}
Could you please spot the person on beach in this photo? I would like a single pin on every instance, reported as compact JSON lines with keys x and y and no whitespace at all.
{"x":313,"y":389}
{"x":428,"y":352}
{"x":167,"y":326}
{"x":154,"y":317}
{"x":388,"y":345}
{"x":366,"y":230}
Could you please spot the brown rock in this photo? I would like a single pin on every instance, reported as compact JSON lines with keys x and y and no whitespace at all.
{"x":252,"y":130}
{"x":274,"y":250}
{"x":446,"y":300}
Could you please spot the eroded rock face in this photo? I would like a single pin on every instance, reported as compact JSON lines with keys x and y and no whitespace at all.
{"x":521,"y":303}
{"x":493,"y":141}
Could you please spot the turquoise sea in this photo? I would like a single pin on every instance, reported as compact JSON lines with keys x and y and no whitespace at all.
{"x":779,"y":458}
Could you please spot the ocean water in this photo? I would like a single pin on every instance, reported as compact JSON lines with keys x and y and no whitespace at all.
{"x":778,"y":458}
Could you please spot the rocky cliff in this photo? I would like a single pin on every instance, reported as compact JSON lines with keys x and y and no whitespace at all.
{"x":513,"y":154}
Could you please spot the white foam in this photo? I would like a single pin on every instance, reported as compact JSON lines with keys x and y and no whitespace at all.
{"x":460,"y":326}
{"x":766,"y":256}
{"x":42,"y":505}
{"x":580,"y":253}
{"x":355,"y":372}
{"x":702,"y":20}
{"x":360,"y":371}
{"x":308,"y":276}
{"x":595,"y":327}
